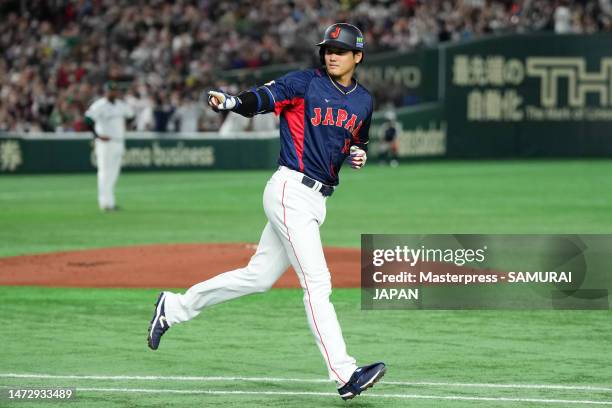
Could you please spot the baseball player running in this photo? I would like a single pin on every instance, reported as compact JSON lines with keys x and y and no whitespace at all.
{"x":106,"y":119}
{"x":324,"y":118}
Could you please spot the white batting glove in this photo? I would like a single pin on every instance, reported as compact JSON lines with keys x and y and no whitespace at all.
{"x":221,"y":101}
{"x":358,"y":157}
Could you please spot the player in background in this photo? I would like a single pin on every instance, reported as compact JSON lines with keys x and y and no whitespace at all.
{"x":106,"y":119}
{"x":324,"y":119}
{"x":388,"y":133}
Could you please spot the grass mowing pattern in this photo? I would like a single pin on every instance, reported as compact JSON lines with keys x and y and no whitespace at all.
{"x":59,"y":212}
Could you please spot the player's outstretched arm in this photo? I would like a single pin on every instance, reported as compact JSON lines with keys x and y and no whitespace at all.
{"x":246,"y":104}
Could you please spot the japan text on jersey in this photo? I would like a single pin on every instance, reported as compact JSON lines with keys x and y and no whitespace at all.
{"x":319,"y":121}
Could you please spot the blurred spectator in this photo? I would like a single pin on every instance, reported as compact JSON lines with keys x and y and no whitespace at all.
{"x":56,"y":54}
{"x":563,"y":19}
{"x":162,"y":112}
{"x":138,"y":98}
{"x":235,"y":123}
{"x":188,"y":114}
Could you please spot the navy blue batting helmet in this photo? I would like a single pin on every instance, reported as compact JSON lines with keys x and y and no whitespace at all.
{"x":344,"y":36}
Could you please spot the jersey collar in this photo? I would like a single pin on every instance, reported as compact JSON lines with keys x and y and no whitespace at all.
{"x":341,"y":88}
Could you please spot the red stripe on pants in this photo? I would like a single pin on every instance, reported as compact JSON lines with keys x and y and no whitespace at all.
{"x":306,"y":285}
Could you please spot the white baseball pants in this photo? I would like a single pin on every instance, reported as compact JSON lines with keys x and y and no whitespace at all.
{"x":108,"y":157}
{"x":291,"y":236}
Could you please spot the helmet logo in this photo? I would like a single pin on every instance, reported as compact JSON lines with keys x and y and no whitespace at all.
{"x":334,"y":34}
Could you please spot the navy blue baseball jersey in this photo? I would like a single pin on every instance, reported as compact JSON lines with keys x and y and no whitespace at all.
{"x":319,"y":121}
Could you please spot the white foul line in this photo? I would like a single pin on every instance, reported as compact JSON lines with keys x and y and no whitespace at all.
{"x":329,"y":394}
{"x":302,"y":380}
{"x":519,"y":386}
{"x":164,"y":378}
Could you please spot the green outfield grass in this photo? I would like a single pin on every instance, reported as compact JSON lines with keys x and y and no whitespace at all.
{"x":59,"y":212}
{"x":102,"y":332}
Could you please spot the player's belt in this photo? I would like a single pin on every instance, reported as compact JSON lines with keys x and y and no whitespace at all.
{"x":311,"y":183}
{"x":324,"y":189}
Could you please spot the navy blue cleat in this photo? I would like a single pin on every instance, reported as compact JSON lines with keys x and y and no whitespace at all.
{"x":362,"y":379}
{"x":158,"y":325}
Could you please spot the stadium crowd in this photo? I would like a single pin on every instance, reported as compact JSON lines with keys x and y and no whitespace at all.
{"x":56,"y":54}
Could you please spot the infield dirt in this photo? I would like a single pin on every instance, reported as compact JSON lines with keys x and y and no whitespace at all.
{"x":156,"y":266}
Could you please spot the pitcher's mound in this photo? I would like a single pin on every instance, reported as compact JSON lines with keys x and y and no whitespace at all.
{"x":156,"y":266}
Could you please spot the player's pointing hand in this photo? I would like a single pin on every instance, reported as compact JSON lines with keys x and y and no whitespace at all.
{"x":219,"y":101}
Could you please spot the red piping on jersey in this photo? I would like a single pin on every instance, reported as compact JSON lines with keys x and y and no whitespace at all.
{"x":356,"y":133}
{"x":306,"y":286}
{"x":293,"y":110}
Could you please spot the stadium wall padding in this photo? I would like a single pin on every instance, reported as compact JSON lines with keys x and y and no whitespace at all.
{"x":421,"y":132}
{"x":39,"y":155}
{"x":541,"y":95}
